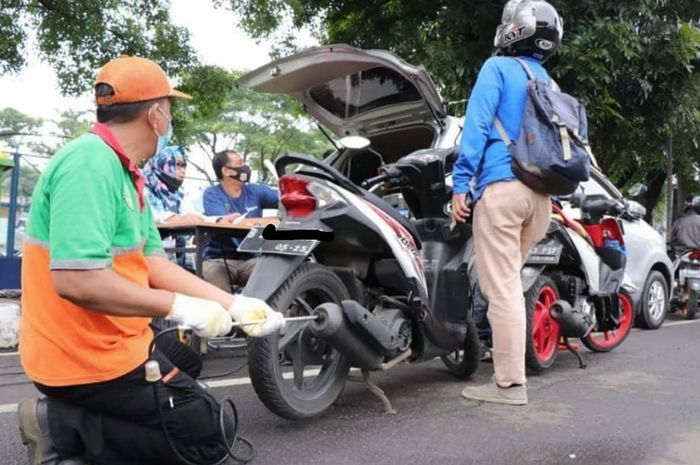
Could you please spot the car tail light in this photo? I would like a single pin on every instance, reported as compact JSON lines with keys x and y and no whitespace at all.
{"x":296,"y":198}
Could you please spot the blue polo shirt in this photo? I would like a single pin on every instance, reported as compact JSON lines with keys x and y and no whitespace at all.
{"x":253,"y":198}
{"x":500,"y":89}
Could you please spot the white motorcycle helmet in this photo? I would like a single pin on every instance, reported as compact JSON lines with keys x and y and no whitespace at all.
{"x":529,"y":28}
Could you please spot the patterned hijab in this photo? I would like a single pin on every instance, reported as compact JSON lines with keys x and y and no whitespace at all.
{"x":162,"y":186}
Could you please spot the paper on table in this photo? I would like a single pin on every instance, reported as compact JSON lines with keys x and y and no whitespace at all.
{"x":239,"y":218}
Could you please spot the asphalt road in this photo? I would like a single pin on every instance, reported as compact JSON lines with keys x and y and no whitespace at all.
{"x":638,"y":405}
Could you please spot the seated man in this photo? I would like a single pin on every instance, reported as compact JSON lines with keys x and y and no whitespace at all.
{"x":232,"y":199}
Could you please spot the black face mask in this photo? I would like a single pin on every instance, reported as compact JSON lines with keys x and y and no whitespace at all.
{"x":242,"y":173}
{"x":173,"y":184}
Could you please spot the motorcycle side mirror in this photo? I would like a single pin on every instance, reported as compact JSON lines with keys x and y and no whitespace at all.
{"x":355,"y":142}
{"x":637,"y":190}
{"x":636,"y":209}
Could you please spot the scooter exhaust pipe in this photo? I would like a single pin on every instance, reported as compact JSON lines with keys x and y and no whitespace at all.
{"x":571,"y":322}
{"x":332,"y":326}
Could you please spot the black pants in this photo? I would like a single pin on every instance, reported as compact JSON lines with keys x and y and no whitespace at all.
{"x":117,"y":422}
{"x":481,"y":306}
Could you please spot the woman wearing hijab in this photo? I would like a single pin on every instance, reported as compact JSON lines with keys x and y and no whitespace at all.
{"x":165,"y":173}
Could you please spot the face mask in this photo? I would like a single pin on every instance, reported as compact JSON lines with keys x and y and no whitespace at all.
{"x":164,"y":140}
{"x":172,"y":184}
{"x":242,"y":173}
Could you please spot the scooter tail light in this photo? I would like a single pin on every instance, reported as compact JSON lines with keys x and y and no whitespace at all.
{"x":295,"y":196}
{"x":695,"y":255}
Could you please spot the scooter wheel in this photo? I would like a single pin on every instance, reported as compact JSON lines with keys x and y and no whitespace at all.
{"x":464,"y":361}
{"x":542,"y":337}
{"x":296,"y":375}
{"x":608,"y":340}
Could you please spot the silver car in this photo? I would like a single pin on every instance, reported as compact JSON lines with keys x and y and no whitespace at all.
{"x":396,"y":106}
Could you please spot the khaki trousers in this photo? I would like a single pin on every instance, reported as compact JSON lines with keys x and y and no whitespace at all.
{"x":508,"y":220}
{"x":229,"y":273}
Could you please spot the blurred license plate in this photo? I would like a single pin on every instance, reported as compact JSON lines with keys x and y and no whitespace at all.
{"x":254,"y":242}
{"x":689,"y":273}
{"x":546,"y":253}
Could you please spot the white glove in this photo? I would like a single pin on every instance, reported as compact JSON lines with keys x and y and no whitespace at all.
{"x":248,"y":309}
{"x":205,"y":317}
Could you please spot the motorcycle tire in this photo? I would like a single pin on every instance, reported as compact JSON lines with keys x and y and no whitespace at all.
{"x":611,"y":339}
{"x":542,"y":336}
{"x":654,"y":303}
{"x":464,"y":362}
{"x":307,"y":287}
{"x":691,"y":306}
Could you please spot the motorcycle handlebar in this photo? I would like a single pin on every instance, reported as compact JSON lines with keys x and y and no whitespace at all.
{"x":367,"y":183}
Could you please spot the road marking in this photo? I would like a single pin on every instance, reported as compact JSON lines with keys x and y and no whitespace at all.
{"x":8,"y":354}
{"x":219,"y":383}
{"x":678,"y":323}
{"x":8,"y":408}
{"x":241,"y":381}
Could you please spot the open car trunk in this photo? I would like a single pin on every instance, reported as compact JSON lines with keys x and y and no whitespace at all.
{"x":352,"y":91}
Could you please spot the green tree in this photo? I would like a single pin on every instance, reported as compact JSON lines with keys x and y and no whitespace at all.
{"x":15,"y":127}
{"x":73,"y":123}
{"x":78,"y":36}
{"x":18,"y":133}
{"x":223,"y":116}
{"x":632,"y":62}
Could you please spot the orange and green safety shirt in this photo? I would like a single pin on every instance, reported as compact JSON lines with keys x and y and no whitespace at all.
{"x":87,"y":213}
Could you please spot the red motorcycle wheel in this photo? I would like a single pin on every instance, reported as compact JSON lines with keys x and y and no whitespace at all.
{"x":543,"y":332}
{"x":607,"y":340}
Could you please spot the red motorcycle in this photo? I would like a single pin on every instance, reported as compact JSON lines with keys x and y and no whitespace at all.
{"x":574,"y":283}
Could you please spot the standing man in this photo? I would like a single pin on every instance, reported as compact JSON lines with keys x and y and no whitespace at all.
{"x":509,"y":217}
{"x":232,"y":199}
{"x":94,"y":275}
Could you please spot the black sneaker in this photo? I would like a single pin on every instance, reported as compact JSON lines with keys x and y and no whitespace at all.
{"x":33,"y":420}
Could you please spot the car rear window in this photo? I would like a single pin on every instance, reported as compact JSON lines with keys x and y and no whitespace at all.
{"x":365,"y":91}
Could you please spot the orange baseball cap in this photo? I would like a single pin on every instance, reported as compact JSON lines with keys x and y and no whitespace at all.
{"x":134,"y":79}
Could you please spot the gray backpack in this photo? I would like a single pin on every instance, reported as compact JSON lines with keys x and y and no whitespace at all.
{"x":551,"y":155}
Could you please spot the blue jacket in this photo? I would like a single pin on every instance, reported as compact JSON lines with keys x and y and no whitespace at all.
{"x":254,"y":197}
{"x":500,"y":89}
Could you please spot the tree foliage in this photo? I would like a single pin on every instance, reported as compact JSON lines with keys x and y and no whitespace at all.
{"x":33,"y":136}
{"x":78,"y":36}
{"x":15,"y":126}
{"x":633,"y":62}
{"x":223,"y":116}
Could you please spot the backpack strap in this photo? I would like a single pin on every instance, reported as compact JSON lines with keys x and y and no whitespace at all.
{"x":527,"y":69}
{"x":502,"y":131}
{"x":532,"y":77}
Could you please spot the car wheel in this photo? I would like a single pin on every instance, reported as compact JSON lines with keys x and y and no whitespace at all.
{"x":654,"y":302}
